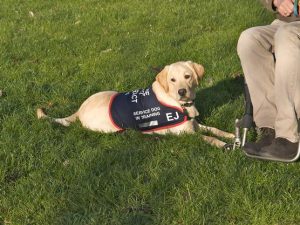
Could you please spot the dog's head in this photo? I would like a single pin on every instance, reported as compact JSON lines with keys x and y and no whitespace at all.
{"x":180,"y":79}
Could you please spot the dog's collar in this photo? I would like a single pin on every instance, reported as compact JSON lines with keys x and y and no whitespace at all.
{"x":187,"y":104}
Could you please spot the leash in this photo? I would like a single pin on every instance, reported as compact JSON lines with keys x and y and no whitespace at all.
{"x":296,"y":11}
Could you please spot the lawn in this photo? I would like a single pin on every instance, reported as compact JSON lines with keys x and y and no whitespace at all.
{"x":57,"y":53}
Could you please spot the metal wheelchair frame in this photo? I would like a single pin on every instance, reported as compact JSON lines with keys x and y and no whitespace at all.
{"x":246,"y":122}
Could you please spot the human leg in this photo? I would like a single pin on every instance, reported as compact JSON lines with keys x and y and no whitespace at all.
{"x":287,"y":93}
{"x":287,"y":77}
{"x":255,"y":49}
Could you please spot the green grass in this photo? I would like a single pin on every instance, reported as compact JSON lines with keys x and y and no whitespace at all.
{"x":57,"y":53}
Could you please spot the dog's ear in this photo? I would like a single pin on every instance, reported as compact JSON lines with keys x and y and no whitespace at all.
{"x":161,"y":78}
{"x":199,"y":69}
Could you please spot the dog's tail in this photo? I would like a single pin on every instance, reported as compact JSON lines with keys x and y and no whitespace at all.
{"x":63,"y":121}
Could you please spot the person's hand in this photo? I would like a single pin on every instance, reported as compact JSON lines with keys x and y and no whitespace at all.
{"x":284,"y":7}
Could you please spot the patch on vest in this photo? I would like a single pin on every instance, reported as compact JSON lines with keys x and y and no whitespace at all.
{"x":141,"y":110}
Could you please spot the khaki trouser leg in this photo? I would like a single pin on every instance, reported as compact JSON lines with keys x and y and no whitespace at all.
{"x":255,"y":49}
{"x":287,"y":80}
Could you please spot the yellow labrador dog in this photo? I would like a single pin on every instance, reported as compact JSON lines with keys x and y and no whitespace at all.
{"x":165,"y":107}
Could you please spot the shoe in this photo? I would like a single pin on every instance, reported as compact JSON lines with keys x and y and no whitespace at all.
{"x":280,"y":148}
{"x":266,"y":136}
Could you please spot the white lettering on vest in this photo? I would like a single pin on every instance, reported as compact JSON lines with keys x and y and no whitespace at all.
{"x":170,"y":116}
{"x":134,"y":97}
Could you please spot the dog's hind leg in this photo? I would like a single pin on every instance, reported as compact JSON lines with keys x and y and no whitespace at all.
{"x":63,"y":121}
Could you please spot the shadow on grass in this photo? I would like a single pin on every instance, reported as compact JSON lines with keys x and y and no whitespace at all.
{"x":225,"y":91}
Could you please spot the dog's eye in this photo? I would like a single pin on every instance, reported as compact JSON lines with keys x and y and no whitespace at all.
{"x":187,"y":76}
{"x":173,"y":80}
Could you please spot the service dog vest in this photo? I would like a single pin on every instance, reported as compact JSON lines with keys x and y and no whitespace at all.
{"x":141,"y":110}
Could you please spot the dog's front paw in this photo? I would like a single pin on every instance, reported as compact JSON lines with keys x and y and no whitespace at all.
{"x":192,"y":111}
{"x":40,"y":113}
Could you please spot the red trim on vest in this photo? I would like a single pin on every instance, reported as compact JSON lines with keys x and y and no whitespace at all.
{"x":170,"y":106}
{"x":109,"y":112}
{"x":167,"y":127}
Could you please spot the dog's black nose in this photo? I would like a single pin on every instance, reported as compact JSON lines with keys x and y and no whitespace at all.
{"x":182,"y":92}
